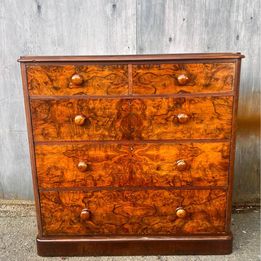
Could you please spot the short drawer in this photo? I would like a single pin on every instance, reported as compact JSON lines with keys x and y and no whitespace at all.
{"x":117,"y":165}
{"x":132,"y":119}
{"x":77,"y":79}
{"x":182,"y":78}
{"x":148,"y":212}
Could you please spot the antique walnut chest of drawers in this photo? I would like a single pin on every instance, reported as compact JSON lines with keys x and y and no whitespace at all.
{"x":132,"y":155}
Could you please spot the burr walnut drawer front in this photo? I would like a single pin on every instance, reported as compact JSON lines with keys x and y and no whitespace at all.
{"x":132,"y":212}
{"x":132,"y":119}
{"x":182,"y":78}
{"x":78,"y":79}
{"x":116,"y":165}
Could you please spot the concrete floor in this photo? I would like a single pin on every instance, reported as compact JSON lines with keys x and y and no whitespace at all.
{"x":18,"y":231}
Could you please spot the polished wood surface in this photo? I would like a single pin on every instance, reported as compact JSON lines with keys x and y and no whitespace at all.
{"x":132,"y":152}
{"x":133,"y":119}
{"x":133,"y":165}
{"x":181,"y":118}
{"x":147,"y":212}
{"x":73,"y":80}
{"x":182,"y":78}
{"x":128,"y":58}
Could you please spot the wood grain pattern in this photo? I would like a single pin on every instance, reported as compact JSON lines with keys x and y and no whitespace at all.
{"x":138,"y":119}
{"x":162,"y":78}
{"x":133,"y":212}
{"x":155,"y":119}
{"x":106,"y":119}
{"x":97,"y":80}
{"x":132,"y":165}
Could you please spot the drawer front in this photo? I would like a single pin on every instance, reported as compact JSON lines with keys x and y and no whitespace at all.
{"x":181,"y":118}
{"x":95,"y":165}
{"x":151,"y":212}
{"x":137,"y":119}
{"x":104,"y":119}
{"x":78,"y":79}
{"x":182,"y":78}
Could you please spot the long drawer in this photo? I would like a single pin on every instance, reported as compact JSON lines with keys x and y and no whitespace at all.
{"x":119,"y":165}
{"x":132,"y":119}
{"x":146,"y":212}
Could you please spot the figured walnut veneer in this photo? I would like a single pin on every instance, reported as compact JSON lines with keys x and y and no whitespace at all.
{"x":150,"y":212}
{"x":132,"y":119}
{"x":132,"y":155}
{"x":120,"y":165}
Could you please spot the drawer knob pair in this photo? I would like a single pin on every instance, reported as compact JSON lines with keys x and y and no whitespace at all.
{"x":183,"y":79}
{"x":181,"y":212}
{"x":77,"y":79}
{"x":85,"y":214}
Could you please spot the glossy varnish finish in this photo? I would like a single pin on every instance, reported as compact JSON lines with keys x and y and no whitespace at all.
{"x":92,"y":80}
{"x":117,"y":165}
{"x":182,"y":78}
{"x":132,"y":119}
{"x":150,"y":212}
{"x":132,"y":155}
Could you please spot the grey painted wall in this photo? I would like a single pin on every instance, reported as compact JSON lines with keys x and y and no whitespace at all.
{"x":68,"y":27}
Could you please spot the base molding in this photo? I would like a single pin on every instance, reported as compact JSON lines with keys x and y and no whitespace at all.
{"x":130,"y":246}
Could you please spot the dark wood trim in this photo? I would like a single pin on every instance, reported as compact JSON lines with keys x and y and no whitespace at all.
{"x":143,"y":62}
{"x":31,"y":148}
{"x":129,"y":142}
{"x":130,"y":79}
{"x":133,"y":188}
{"x":127,"y":246}
{"x":148,"y":57}
{"x":132,"y":96}
{"x":233,"y":145}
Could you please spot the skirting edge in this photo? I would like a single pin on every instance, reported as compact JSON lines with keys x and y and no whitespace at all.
{"x":131,"y":246}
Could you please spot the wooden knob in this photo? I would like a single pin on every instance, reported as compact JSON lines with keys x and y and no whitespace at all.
{"x":183,"y":79}
{"x":85,"y":214}
{"x":77,"y":79}
{"x":181,"y":212}
{"x":182,"y":118}
{"x":182,"y":165}
{"x":79,"y":120}
{"x":82,"y":166}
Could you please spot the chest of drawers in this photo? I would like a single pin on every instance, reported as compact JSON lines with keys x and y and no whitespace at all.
{"x":132,"y":155}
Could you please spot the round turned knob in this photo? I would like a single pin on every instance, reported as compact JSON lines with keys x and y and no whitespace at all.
{"x":182,"y":118}
{"x":77,"y":79}
{"x":79,"y":120}
{"x":82,"y":166}
{"x":181,"y":212}
{"x":183,"y":79}
{"x":85,"y":214}
{"x":182,"y":165}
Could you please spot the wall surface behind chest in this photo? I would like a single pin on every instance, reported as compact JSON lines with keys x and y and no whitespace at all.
{"x":65,"y":27}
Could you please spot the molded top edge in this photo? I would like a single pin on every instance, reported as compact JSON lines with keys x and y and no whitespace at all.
{"x":144,"y":57}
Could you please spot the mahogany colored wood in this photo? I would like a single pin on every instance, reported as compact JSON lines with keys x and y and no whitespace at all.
{"x":147,"y":212}
{"x":133,"y":165}
{"x":115,"y":246}
{"x":77,"y":80}
{"x":182,"y":78}
{"x":131,"y":58}
{"x":138,"y":119}
{"x":147,"y":169}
